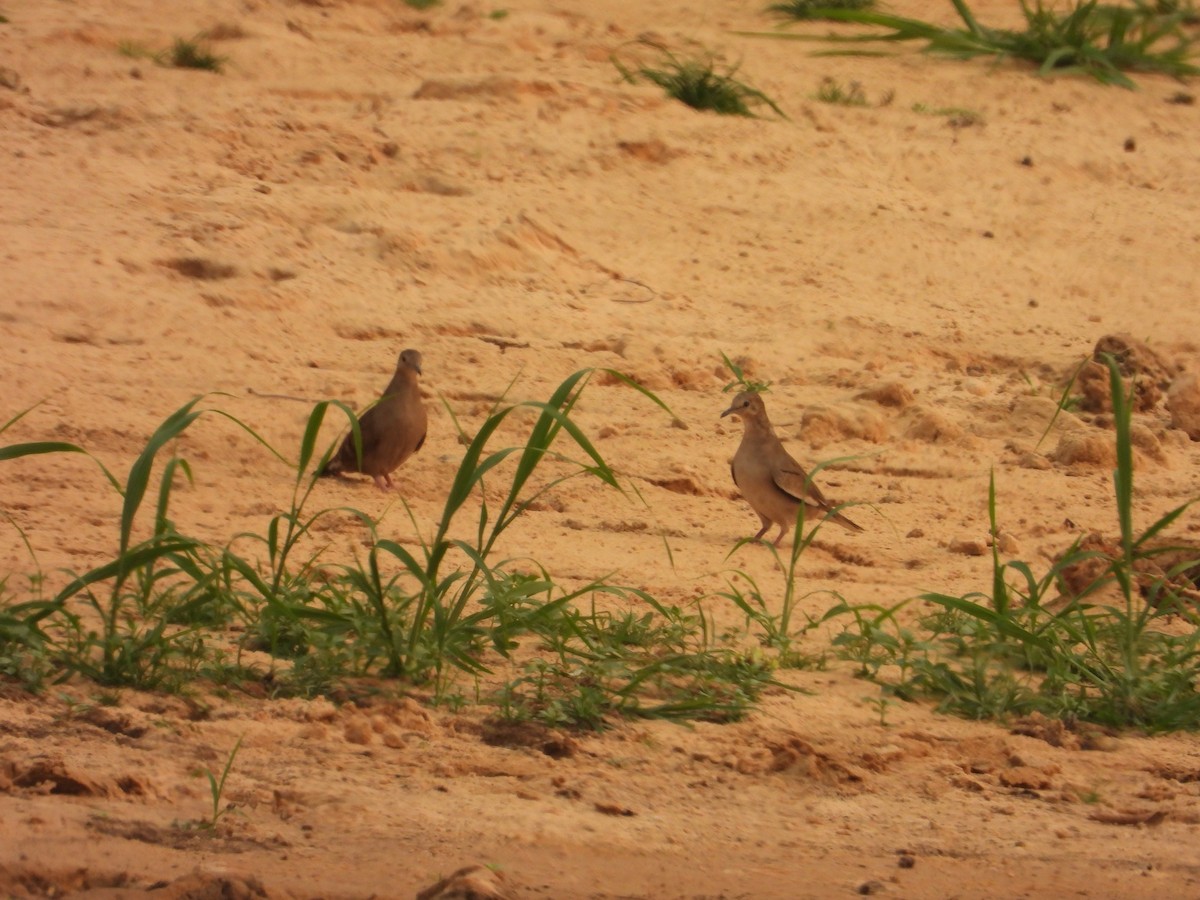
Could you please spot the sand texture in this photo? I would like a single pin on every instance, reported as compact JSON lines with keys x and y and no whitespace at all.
{"x":366,"y":177}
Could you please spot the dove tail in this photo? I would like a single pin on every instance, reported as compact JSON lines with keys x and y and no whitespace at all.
{"x":844,"y":522}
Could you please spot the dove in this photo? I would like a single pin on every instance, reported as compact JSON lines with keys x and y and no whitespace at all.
{"x":770,"y":480}
{"x":392,"y":430}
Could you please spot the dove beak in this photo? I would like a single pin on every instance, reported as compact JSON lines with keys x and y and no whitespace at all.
{"x":727,"y":412}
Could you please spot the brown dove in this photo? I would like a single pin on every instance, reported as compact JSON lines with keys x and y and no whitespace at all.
{"x":392,"y":430}
{"x":770,"y":480}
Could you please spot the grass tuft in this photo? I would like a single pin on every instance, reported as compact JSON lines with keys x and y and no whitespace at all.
{"x":185,"y":54}
{"x":696,"y":81}
{"x":1088,"y":37}
{"x":806,"y":10}
{"x":740,"y":382}
{"x":832,"y":91}
{"x":216,"y":788}
{"x":182,"y":54}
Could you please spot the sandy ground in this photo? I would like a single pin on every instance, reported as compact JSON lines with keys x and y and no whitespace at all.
{"x":486,"y":190}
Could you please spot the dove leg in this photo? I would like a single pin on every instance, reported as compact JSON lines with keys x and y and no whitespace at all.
{"x":766,"y":523}
{"x":382,"y":482}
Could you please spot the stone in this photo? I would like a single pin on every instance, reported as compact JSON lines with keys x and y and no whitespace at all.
{"x":1183,"y":403}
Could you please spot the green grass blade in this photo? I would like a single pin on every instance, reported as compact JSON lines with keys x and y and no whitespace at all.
{"x":968,"y":18}
{"x":1162,"y":523}
{"x":262,"y":442}
{"x":999,"y":585}
{"x":1123,"y":476}
{"x":19,"y":416}
{"x":16,"y":451}
{"x":131,"y":560}
{"x":1002,"y":623}
{"x":35,"y":448}
{"x":410,"y":563}
{"x":468,"y":473}
{"x":161,"y":523}
{"x":139,"y":473}
{"x":641,"y":389}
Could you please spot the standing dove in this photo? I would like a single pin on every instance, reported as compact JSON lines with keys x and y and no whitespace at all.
{"x":392,"y":430}
{"x":770,"y":480}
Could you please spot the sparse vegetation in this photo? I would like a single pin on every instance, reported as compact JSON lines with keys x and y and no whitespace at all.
{"x":422,"y":4}
{"x":658,"y":664}
{"x":135,"y":50}
{"x":956,"y":116}
{"x":832,"y":91}
{"x":158,"y":614}
{"x":185,"y":54}
{"x":699,"y":81}
{"x":216,"y":787}
{"x":777,"y":631}
{"x":803,"y":10}
{"x":1118,"y":646}
{"x":740,"y":382}
{"x":182,"y":54}
{"x":1099,"y":40}
{"x":1107,"y":651}
{"x":1065,"y":401}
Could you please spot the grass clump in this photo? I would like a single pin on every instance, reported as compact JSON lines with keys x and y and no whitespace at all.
{"x":804,"y":10}
{"x":832,"y":91}
{"x":1108,"y":651}
{"x":660,"y":663}
{"x":182,"y":54}
{"x":697,"y":81}
{"x":1090,"y":38}
{"x":185,"y":54}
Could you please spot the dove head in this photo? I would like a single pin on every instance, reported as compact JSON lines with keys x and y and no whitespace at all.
{"x":747,"y":406}
{"x":411,"y":359}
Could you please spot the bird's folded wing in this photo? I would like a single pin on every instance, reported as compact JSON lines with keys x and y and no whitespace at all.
{"x":796,"y":483}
